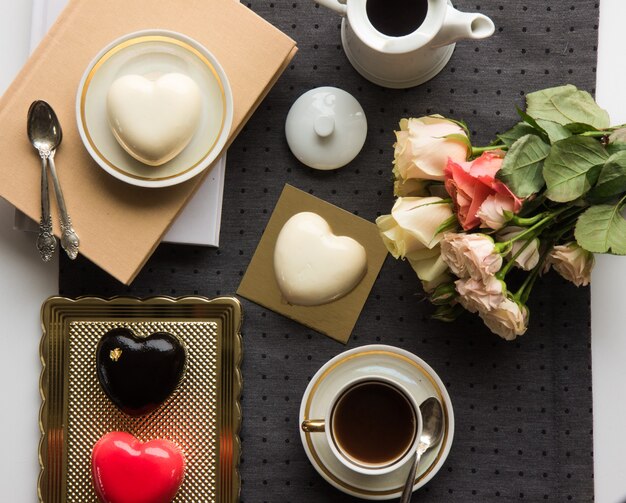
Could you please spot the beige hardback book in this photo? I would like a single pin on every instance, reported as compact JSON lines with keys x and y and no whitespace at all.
{"x":120,"y":225}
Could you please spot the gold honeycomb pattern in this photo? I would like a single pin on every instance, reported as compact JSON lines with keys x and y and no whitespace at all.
{"x":188,"y":418}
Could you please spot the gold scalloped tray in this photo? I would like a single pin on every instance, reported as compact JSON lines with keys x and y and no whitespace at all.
{"x":202,"y":416}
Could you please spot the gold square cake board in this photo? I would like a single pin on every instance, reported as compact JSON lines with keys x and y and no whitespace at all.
{"x":202,"y":416}
{"x":335,"y":319}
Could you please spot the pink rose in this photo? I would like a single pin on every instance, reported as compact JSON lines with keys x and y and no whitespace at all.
{"x":477,"y":295}
{"x":508,"y":320}
{"x":572,"y":262}
{"x":470,"y":255}
{"x":479,"y":198}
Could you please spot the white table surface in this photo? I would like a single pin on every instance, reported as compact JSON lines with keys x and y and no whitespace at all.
{"x":25,"y":282}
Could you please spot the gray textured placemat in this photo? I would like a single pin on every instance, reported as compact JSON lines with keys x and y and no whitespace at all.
{"x":523,"y":409}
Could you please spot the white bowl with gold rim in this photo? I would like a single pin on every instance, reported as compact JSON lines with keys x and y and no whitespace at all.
{"x":393,"y":364}
{"x":154,"y":52}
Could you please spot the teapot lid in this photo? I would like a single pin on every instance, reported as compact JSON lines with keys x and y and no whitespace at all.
{"x":326,"y":128}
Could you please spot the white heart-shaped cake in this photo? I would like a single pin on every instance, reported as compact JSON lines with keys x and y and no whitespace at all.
{"x":312,"y":265}
{"x":154,"y":120}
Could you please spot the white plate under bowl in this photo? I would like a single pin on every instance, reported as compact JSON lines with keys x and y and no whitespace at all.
{"x":154,"y":52}
{"x":395,"y":364}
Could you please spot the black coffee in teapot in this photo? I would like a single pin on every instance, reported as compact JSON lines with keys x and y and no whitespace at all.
{"x":396,"y":18}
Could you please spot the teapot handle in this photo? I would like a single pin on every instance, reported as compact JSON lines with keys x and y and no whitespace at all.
{"x":336,"y":5}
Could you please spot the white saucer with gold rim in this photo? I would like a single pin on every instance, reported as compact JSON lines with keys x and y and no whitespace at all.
{"x":394,"y":365}
{"x":152,"y":53}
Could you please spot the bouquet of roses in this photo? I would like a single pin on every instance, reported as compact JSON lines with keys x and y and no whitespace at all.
{"x":548,"y":193}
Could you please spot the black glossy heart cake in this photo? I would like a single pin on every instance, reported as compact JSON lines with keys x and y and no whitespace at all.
{"x":139,"y":373}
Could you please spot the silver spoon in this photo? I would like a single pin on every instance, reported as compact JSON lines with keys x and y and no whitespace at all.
{"x":69,"y":238}
{"x":44,"y":137}
{"x":432,"y":429}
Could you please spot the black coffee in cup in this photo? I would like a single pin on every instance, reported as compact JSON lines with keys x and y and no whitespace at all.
{"x":396,"y":18}
{"x":373,"y":423}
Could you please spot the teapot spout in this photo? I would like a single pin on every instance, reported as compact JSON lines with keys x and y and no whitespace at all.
{"x":462,"y":25}
{"x":338,"y":6}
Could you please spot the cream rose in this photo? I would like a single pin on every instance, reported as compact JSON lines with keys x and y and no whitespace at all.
{"x":470,"y":255}
{"x":476,"y":295}
{"x":528,"y":258}
{"x":430,"y":268}
{"x":422,"y":149}
{"x":508,"y":320}
{"x":410,"y":188}
{"x":412,"y":226}
{"x":572,"y":262}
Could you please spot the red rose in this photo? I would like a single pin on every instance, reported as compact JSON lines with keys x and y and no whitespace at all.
{"x":479,"y":198}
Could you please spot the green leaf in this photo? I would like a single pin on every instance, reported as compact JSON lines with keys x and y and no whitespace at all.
{"x":566,"y":104}
{"x":550,"y":131}
{"x":531,"y":205}
{"x":555,"y":131}
{"x":579,"y":128}
{"x":612,"y":179}
{"x":616,"y":161}
{"x":462,"y":124}
{"x":572,"y":167}
{"x":602,"y":229}
{"x":614,"y":148}
{"x":533,"y":123}
{"x":448,"y":224}
{"x":522,"y":168}
{"x":515,"y":133}
{"x":461,"y":138}
{"x":441,"y":201}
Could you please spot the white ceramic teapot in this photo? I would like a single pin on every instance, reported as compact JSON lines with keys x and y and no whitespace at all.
{"x":403,"y":43}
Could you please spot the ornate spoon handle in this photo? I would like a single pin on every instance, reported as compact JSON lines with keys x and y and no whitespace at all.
{"x":69,"y":238}
{"x":46,"y":243}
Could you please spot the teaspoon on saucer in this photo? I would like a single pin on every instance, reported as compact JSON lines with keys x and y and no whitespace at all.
{"x":432,"y":429}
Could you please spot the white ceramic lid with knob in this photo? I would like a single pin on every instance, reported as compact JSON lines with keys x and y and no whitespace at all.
{"x":326,"y":128}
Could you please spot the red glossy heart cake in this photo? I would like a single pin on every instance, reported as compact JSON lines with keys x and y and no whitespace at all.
{"x":127,"y":471}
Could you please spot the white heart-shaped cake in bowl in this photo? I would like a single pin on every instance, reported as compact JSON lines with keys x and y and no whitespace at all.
{"x":154,"y":108}
{"x":313,"y":266}
{"x":154,"y":119}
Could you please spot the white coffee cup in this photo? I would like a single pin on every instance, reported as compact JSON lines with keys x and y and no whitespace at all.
{"x":327,"y":426}
{"x":410,"y":59}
